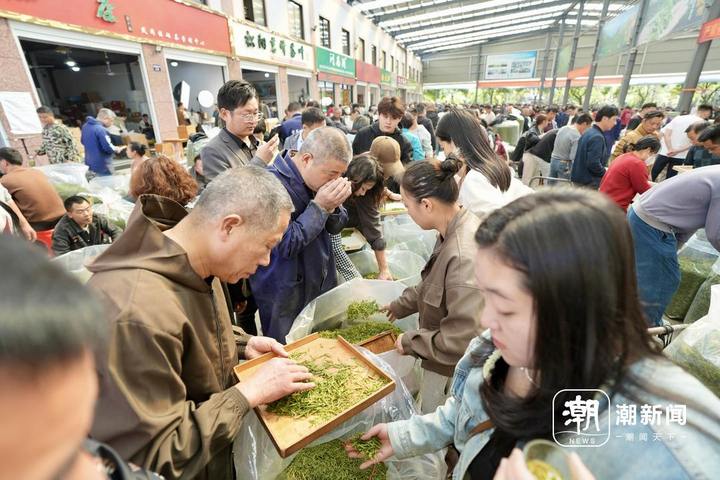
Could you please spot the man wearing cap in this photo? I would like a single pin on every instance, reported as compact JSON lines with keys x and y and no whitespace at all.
{"x":387,"y":152}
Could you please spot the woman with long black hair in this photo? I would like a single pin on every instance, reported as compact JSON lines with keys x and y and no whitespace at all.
{"x":368,"y":192}
{"x":564,"y":329}
{"x":486,"y":181}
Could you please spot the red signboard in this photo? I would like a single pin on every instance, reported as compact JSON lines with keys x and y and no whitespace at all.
{"x":150,"y":21}
{"x":329,"y":77}
{"x":709,"y":31}
{"x":366,"y":72}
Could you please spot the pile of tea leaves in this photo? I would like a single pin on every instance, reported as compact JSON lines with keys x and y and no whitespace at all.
{"x":367,"y":448}
{"x":338,"y":386}
{"x":360,"y":332}
{"x":362,"y":310}
{"x":330,"y":461}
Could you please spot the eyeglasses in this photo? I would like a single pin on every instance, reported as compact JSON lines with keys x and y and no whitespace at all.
{"x":250,"y":117}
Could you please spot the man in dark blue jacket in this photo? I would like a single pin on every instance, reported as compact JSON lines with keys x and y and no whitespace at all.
{"x":302,"y":265}
{"x":592,"y":152}
{"x":292,"y":122}
{"x":99,"y":150}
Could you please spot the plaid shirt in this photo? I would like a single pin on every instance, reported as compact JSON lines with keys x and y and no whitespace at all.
{"x":342,"y":262}
{"x":58,"y":144}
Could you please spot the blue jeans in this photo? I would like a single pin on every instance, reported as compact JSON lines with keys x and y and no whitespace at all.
{"x":559,"y":169}
{"x":656,"y":263}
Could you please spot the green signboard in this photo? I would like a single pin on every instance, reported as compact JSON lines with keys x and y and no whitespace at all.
{"x":336,"y":63}
{"x":385,"y":77}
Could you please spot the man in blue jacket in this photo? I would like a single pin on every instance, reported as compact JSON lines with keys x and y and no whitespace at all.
{"x":302,"y":265}
{"x":292,"y":122}
{"x":99,"y":150}
{"x":592,"y":152}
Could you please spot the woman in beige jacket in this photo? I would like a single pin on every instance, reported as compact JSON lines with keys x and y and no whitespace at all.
{"x":447,"y":298}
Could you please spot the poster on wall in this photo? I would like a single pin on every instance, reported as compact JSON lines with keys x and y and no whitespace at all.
{"x":510,"y":66}
{"x":563,"y":64}
{"x":664,"y":17}
{"x":20,"y":112}
{"x":617,"y":33}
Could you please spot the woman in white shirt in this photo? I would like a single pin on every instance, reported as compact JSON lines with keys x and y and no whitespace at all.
{"x":486,"y":181}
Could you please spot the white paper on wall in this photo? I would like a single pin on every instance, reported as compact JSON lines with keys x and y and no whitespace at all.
{"x":20,"y":111}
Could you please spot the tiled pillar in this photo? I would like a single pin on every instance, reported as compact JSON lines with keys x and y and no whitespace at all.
{"x":165,"y":117}
{"x":314,"y":92}
{"x":14,"y":78}
{"x":283,"y":90}
{"x":234,"y":69}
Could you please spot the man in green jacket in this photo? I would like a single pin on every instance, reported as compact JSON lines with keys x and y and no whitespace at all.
{"x":57,"y":141}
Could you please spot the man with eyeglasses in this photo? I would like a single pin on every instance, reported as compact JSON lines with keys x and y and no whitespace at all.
{"x":235,"y":145}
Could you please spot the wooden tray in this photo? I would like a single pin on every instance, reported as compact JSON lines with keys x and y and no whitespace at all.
{"x":355,"y":241}
{"x":391,"y":209}
{"x":380,"y":343}
{"x":290,"y":434}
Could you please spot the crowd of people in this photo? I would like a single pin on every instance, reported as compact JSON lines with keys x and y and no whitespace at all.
{"x":528,"y":291}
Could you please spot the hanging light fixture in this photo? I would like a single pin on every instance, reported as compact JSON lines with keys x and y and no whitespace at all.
{"x":70,"y":62}
{"x":174,"y":63}
{"x":75,"y":68}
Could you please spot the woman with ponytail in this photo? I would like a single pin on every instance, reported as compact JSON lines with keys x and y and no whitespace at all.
{"x":628,"y":173}
{"x":447,"y":298}
{"x":486,"y":180}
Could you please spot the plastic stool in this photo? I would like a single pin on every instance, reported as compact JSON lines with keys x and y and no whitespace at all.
{"x":45,"y":237}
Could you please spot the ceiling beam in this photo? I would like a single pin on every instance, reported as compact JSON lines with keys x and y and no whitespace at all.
{"x":452,"y":21}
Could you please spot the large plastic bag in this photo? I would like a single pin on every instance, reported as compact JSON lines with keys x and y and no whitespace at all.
{"x":701,"y":304}
{"x":405,"y":266}
{"x":117,"y":183}
{"x":696,"y":259}
{"x":113,"y":206}
{"x":256,"y":457}
{"x":697,"y":348}
{"x":73,"y":173}
{"x":75,"y":262}
{"x":401,"y":233}
{"x":328,"y":312}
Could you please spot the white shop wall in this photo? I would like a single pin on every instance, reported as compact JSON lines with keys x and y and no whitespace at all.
{"x":276,"y":12}
{"x":199,"y":77}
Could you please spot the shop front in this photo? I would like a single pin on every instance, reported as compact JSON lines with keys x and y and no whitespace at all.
{"x":195,"y":79}
{"x":402,"y":88}
{"x":368,"y":77}
{"x":109,"y":55}
{"x":280,"y":67}
{"x":336,"y":77}
{"x":388,"y":83}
